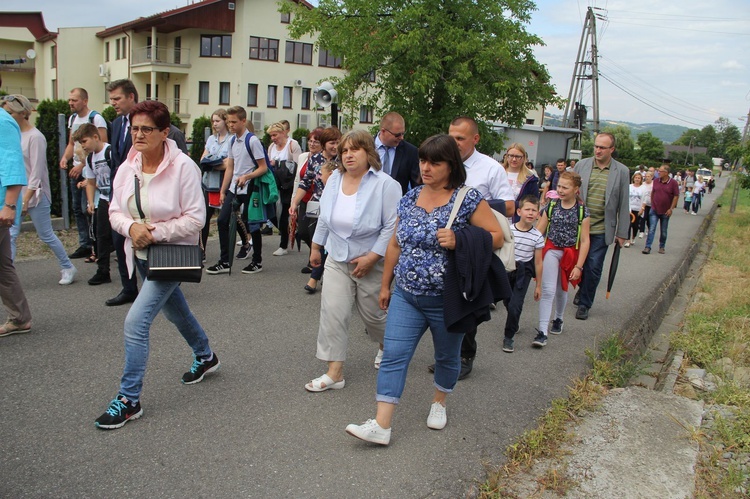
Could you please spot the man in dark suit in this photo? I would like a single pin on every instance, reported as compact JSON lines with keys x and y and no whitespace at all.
{"x":399,"y":158}
{"x":123,"y":96}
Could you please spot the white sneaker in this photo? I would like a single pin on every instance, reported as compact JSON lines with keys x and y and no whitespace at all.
{"x":370,"y":431}
{"x":280,"y":252}
{"x":67,"y":276}
{"x":378,"y":358}
{"x":438,"y":418}
{"x":640,"y":235}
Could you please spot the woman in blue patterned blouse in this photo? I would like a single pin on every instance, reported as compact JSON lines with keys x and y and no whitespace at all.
{"x":416,"y":256}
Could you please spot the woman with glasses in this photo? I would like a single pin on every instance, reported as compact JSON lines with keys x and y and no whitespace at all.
{"x":171,"y":209}
{"x":329,"y":143}
{"x":522,"y":181}
{"x":37,"y":195}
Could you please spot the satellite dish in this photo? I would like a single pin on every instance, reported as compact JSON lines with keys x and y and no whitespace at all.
{"x":31,"y":54}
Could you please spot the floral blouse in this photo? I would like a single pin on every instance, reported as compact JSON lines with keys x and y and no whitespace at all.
{"x":563,"y":225}
{"x":421,"y":266}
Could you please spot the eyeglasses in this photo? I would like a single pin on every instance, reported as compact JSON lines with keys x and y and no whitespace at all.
{"x":513,"y":156}
{"x":397,"y":135}
{"x":147,"y":130}
{"x":311,"y":142}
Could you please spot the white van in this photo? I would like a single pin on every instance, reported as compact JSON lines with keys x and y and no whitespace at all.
{"x":705,"y":173}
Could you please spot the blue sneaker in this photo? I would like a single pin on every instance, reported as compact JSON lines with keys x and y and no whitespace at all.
{"x":540,"y":341}
{"x":556,"y":328}
{"x":120,"y":411}
{"x":199,"y":369}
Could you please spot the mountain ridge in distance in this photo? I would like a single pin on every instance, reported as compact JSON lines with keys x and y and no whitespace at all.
{"x":666,"y":133}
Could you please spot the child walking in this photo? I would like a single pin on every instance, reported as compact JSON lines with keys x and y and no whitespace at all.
{"x":688,"y":199}
{"x":528,"y":250}
{"x":566,"y":224}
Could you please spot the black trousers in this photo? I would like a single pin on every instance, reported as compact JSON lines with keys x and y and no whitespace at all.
{"x":519,"y":284}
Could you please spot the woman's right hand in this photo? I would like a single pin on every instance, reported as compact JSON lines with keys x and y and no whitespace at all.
{"x":385,"y":298}
{"x":315,"y":259}
{"x":293,"y":211}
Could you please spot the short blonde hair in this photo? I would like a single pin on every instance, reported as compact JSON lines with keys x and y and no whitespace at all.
{"x":276,"y":128}
{"x":18,"y":104}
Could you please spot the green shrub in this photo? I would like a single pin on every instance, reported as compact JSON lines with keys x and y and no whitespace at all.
{"x":199,"y":137}
{"x":109,"y":114}
{"x":46,"y":122}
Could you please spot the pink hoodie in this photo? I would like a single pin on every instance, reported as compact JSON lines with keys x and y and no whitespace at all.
{"x":175,"y":197}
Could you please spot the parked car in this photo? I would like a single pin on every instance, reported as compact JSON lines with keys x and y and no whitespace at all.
{"x":705,"y":173}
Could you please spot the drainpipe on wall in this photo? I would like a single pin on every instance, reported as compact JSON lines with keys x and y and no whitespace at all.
{"x":129,"y":51}
{"x":154,"y":57}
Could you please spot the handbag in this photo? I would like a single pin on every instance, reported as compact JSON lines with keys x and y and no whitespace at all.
{"x":313,"y":209}
{"x":171,"y":262}
{"x":507,"y":253}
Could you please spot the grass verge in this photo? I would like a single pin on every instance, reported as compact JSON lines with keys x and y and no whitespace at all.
{"x":716,"y":337}
{"x":611,"y":367}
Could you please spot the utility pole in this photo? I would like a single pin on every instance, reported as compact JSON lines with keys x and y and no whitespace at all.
{"x":738,"y":167}
{"x":585,"y":69}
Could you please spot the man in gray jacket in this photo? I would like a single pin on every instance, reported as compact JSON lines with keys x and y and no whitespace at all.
{"x":605,"y":190}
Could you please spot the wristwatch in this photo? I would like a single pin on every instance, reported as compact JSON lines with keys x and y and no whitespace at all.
{"x":11,"y":206}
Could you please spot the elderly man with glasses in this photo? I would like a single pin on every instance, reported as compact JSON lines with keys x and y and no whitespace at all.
{"x":398,"y":157}
{"x":606,"y":191}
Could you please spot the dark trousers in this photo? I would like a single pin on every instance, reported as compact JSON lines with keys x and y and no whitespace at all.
{"x":225,"y":215}
{"x":519,"y":284}
{"x":592,"y":269}
{"x":79,"y":202}
{"x":469,"y":345}
{"x":644,"y":220}
{"x":635,"y":222}
{"x":129,"y":284}
{"x":281,"y":221}
{"x":103,"y":237}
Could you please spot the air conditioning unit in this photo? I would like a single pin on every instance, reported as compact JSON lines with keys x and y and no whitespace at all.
{"x":297,"y":83}
{"x":303,"y":121}
{"x":231,"y":5}
{"x":102,"y":70}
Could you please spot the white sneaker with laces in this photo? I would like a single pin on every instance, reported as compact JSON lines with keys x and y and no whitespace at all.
{"x":67,"y":276}
{"x":378,"y":358}
{"x":280,"y":252}
{"x":370,"y":431}
{"x":438,"y":417}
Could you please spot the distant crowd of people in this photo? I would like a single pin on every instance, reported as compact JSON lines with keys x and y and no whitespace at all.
{"x":405,"y":234}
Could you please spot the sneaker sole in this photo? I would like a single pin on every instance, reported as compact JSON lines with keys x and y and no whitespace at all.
{"x":551,"y":331}
{"x":207,"y":371}
{"x":120,"y":425}
{"x":367,"y":439}
{"x":508,"y":350}
{"x":17,"y":331}
{"x":238,"y":257}
{"x":252,"y":271}
{"x":539,"y":344}
{"x":215,"y":272}
{"x":438,"y":425}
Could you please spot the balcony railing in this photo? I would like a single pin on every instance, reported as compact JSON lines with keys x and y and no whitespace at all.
{"x":28,"y":92}
{"x":161,"y":55}
{"x":15,"y":62}
{"x":177,"y":106}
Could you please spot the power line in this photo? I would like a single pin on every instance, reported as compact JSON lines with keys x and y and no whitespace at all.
{"x":701,"y":18}
{"x":655,"y":26}
{"x":625,"y":74}
{"x":648,"y":103}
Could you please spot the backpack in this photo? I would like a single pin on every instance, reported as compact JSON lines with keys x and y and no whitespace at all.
{"x":91,"y":120}
{"x":507,"y":253}
{"x":273,"y":194}
{"x":549,"y":220}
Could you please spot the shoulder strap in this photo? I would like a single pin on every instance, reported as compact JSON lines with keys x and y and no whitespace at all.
{"x":108,"y":155}
{"x":90,"y":159}
{"x":550,"y":205}
{"x":91,"y":116}
{"x":137,"y":193}
{"x":580,"y":222}
{"x":460,"y":195}
{"x":247,"y":146}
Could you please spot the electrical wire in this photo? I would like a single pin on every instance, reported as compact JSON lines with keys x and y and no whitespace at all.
{"x":651,"y":104}
{"x":657,"y":26}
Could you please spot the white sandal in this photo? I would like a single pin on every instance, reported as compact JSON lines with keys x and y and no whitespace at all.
{"x":316,"y":385}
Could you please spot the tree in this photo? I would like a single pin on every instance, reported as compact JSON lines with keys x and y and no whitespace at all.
{"x":46,"y":122}
{"x":688,"y":136}
{"x":625,"y":148}
{"x":709,"y":140}
{"x":652,"y":148}
{"x":431,"y":61}
{"x":199,"y":137}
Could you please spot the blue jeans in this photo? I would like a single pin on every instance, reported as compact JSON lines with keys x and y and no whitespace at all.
{"x":43,"y":224}
{"x":79,"y":203}
{"x":409,"y":316}
{"x":592,"y":269}
{"x":663,"y":226}
{"x":156,"y":296}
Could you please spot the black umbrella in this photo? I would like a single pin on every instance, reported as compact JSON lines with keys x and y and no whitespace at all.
{"x":613,"y":268}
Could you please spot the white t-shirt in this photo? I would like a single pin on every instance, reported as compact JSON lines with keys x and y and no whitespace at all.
{"x":526,"y":242}
{"x":488,"y":177}
{"x":133,"y":209}
{"x":342,"y":217}
{"x":636,"y":196}
{"x":243,"y":163}
{"x":100,"y":170}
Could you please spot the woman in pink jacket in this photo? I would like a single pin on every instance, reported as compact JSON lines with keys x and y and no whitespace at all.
{"x":174,"y":209}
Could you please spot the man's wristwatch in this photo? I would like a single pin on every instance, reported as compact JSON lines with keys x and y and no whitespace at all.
{"x":11,"y":206}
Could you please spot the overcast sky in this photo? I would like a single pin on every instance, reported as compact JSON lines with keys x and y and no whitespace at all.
{"x":682,"y":62}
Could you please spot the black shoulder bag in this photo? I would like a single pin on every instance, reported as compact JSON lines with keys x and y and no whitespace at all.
{"x":171,"y":262}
